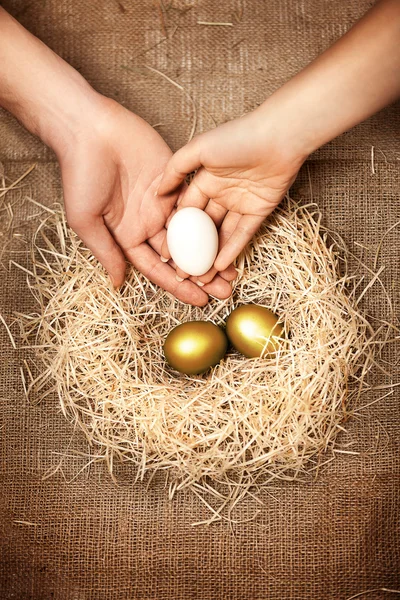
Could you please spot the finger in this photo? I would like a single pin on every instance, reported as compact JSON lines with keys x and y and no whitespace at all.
{"x":207,"y":277}
{"x":244,"y":231}
{"x":164,"y":252}
{"x":156,"y":242}
{"x":216,"y":211}
{"x":165,"y":256}
{"x":219,"y":288}
{"x":184,"y":161}
{"x":180,"y":275}
{"x":95,"y":235}
{"x":147,"y":261}
{"x":195,"y":194}
{"x":227,"y":228}
{"x":229,"y":274}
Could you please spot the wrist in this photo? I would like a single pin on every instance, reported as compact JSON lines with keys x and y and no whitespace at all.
{"x":290,"y":123}
{"x":69,"y":108}
{"x":283,"y":133}
{"x":50,"y":98}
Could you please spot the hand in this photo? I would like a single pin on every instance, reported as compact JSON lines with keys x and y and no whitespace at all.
{"x":247,"y":165}
{"x":244,"y":171}
{"x":111,"y":161}
{"x":110,"y":174}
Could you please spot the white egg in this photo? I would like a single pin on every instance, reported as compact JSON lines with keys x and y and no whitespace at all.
{"x":192,"y":240}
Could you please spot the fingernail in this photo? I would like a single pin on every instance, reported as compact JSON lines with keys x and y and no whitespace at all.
{"x":200,"y":283}
{"x":163,"y":259}
{"x":179,"y":278}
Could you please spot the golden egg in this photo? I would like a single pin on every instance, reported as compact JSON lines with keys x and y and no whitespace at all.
{"x":194,"y":347}
{"x":254,"y":330}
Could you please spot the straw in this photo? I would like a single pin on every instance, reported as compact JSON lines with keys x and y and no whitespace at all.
{"x":242,"y":424}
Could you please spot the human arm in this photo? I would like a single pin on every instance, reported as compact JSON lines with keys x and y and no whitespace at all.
{"x":246,"y":166}
{"x":111,"y":160}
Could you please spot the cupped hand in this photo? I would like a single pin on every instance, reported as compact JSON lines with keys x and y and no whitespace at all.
{"x":244,"y":171}
{"x":110,"y":174}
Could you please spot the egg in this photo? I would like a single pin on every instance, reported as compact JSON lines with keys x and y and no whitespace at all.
{"x":195,"y":346}
{"x":251,"y":328}
{"x":192,"y":240}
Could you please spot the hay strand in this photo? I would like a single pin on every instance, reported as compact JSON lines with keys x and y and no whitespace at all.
{"x":365,"y":592}
{"x":246,"y":422}
{"x":215,"y":23}
{"x":10,"y":335}
{"x":4,"y":190}
{"x":186,"y":93}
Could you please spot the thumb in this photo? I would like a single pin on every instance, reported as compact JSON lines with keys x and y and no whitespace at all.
{"x":95,"y":235}
{"x":184,"y":161}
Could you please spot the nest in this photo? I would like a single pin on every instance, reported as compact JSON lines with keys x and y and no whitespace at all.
{"x":243,"y":423}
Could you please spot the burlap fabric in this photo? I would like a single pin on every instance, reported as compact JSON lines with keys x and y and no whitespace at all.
{"x":81,"y":536}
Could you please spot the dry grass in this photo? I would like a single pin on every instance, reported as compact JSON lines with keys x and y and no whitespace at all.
{"x":245,"y":422}
{"x":8,"y":234}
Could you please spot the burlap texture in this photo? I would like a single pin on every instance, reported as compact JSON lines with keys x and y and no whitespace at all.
{"x":90,"y":539}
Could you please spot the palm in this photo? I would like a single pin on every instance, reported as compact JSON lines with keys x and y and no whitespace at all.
{"x":239,"y":171}
{"x":109,"y":189}
{"x":243,"y":190}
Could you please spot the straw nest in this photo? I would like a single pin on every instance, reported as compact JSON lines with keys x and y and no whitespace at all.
{"x":244,"y":422}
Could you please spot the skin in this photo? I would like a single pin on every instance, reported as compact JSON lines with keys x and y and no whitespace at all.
{"x":246,"y":166}
{"x":116,"y":197}
{"x":121,"y":217}
{"x":111,"y":162}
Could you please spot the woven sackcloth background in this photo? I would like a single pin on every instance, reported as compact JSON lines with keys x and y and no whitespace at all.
{"x":79,"y":536}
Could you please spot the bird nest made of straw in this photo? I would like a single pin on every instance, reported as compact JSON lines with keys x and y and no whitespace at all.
{"x":245,"y":421}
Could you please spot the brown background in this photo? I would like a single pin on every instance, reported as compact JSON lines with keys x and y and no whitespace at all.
{"x":90,"y":539}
